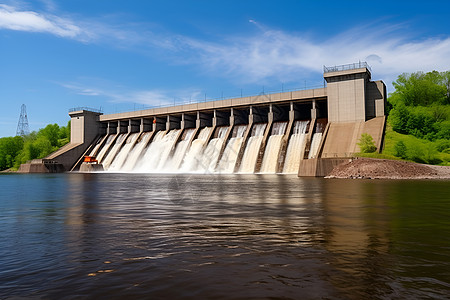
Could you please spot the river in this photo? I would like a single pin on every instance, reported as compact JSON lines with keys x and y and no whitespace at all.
{"x":150,"y":236}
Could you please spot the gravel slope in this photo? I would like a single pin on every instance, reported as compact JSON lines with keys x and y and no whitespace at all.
{"x":371,"y":168}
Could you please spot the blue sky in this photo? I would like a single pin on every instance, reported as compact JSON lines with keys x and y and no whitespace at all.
{"x":125,"y":55}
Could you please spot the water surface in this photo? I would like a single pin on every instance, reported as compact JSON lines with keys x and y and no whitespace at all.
{"x":138,"y":236}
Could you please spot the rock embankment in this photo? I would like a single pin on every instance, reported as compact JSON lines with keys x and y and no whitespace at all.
{"x":370,"y":168}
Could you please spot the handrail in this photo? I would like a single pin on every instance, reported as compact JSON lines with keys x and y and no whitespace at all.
{"x":358,"y":65}
{"x":86,"y":108}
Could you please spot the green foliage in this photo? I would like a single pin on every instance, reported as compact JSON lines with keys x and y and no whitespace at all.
{"x":422,"y":88}
{"x":18,"y":150}
{"x":420,"y":105}
{"x":367,"y":144}
{"x":9,"y":148}
{"x":414,"y":149}
{"x":400,"y":149}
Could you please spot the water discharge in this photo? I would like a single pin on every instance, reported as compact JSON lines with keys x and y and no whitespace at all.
{"x":120,"y":158}
{"x":193,"y":156}
{"x":180,"y":151}
{"x":105,"y":147}
{"x":158,"y":152}
{"x":230,"y":154}
{"x":208,"y":149}
{"x":272,"y":151}
{"x":136,"y":152}
{"x":315,"y":142}
{"x":252,"y":150}
{"x":210,"y":156}
{"x":115,"y":149}
{"x":296,"y":148}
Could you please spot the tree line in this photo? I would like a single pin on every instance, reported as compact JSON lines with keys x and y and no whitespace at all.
{"x":17,"y":150}
{"x":420,"y":107}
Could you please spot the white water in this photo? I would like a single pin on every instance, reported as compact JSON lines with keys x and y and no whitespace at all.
{"x":229,"y":156}
{"x":252,"y":150}
{"x":272,"y":151}
{"x":136,"y":152}
{"x":193,"y":156}
{"x":315,"y":142}
{"x":173,"y":164}
{"x":210,"y":156}
{"x":317,"y":137}
{"x":158,"y":152}
{"x":105,"y":147}
{"x":296,"y":148}
{"x":113,"y":152}
{"x":120,"y":158}
{"x":97,"y":146}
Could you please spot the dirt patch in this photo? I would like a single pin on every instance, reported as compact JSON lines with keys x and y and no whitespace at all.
{"x":371,"y":168}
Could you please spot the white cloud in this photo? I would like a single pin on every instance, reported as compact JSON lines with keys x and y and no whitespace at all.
{"x":278,"y":54}
{"x":267,"y":55}
{"x":31,"y":21}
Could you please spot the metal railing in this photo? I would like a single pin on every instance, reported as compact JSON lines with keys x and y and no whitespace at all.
{"x":176,"y":102}
{"x":358,"y":65}
{"x":96,"y":110}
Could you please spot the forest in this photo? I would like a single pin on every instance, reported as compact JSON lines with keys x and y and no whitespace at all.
{"x":418,"y":127}
{"x":17,"y":150}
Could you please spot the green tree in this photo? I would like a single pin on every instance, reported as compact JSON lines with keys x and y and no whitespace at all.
{"x":9,"y":149}
{"x":400,"y":149}
{"x":367,"y":144}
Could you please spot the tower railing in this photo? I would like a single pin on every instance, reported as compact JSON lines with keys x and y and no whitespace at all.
{"x":358,"y":65}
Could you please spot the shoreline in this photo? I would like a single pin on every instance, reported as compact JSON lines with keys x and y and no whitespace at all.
{"x":374,"y":168}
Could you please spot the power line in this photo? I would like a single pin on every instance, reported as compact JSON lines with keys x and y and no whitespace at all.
{"x":22,"y":126}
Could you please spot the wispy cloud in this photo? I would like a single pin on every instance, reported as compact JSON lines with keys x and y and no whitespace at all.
{"x":279,"y":54}
{"x":266,"y":55}
{"x":23,"y":20}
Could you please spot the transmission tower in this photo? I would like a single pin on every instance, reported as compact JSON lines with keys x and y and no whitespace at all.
{"x":22,"y":126}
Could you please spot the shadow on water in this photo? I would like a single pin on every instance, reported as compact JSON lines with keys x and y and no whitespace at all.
{"x":228,"y":236}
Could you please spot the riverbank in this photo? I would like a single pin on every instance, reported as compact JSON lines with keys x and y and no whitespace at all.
{"x":372,"y":168}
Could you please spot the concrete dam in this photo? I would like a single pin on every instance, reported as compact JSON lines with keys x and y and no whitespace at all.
{"x":305,"y":132}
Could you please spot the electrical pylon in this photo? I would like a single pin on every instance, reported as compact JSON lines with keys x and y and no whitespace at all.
{"x":22,"y":126}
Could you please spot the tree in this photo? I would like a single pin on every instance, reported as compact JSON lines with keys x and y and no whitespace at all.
{"x":400,"y":150}
{"x":367,"y":144}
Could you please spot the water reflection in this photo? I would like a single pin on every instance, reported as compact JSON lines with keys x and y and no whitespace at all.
{"x":235,"y":236}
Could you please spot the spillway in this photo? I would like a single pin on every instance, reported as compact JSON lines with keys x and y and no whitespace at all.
{"x":272,"y":151}
{"x":252,"y":150}
{"x":210,"y":156}
{"x":121,"y":157}
{"x":158,"y":152}
{"x":136,"y":152}
{"x":105,"y":147}
{"x":296,"y":147}
{"x":106,"y":162}
{"x":173,"y":164}
{"x":193,"y":156}
{"x":230,"y":154}
{"x":316,"y":139}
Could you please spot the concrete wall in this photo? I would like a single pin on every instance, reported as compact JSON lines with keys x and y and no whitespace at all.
{"x":85,"y":129}
{"x":84,"y":126}
{"x":346,"y":91}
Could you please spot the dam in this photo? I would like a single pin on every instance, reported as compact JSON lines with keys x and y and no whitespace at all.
{"x":304,"y":132}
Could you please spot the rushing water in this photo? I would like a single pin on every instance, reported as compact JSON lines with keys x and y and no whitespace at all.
{"x":153,"y":236}
{"x":252,"y":149}
{"x":228,"y":160}
{"x":296,"y":148}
